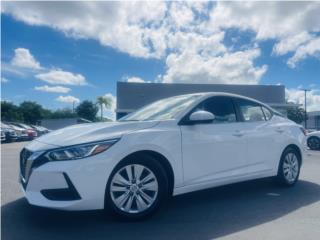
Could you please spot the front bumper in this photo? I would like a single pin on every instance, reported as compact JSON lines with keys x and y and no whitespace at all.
{"x":23,"y":137}
{"x":69,"y":185}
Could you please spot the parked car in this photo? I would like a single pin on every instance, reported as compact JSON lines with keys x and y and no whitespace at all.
{"x":313,"y":140}
{"x":40,"y":130}
{"x":22,"y":133}
{"x":173,"y":146}
{"x":11,"y":135}
{"x":3,"y":136}
{"x":32,"y":134}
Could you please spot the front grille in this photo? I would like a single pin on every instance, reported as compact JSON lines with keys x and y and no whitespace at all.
{"x":13,"y":134}
{"x":27,"y":165}
{"x":24,"y":155}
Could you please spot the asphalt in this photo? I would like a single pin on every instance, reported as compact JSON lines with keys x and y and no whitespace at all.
{"x":250,"y":210}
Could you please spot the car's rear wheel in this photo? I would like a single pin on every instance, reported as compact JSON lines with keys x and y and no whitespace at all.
{"x":136,"y":188}
{"x":314,"y":143}
{"x":289,"y":167}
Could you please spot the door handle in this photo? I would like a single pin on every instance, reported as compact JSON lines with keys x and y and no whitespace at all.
{"x":279,"y":130}
{"x":238,"y":134}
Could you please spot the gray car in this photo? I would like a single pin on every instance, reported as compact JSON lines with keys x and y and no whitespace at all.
{"x":10,"y":134}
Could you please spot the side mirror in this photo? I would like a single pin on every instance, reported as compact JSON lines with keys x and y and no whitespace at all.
{"x":201,"y":117}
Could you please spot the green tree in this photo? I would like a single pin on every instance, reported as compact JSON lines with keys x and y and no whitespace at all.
{"x":10,"y":112}
{"x":296,"y":114}
{"x":32,"y":112}
{"x":87,"y":110}
{"x":46,"y":113}
{"x":104,"y":101}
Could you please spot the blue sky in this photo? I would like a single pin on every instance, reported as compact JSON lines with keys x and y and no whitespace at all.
{"x":102,"y":66}
{"x":58,"y":53}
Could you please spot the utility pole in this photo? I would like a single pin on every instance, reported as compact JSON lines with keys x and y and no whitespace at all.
{"x":305,"y":106}
{"x":73,"y":106}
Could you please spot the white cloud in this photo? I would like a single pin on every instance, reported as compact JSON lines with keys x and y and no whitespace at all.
{"x":231,"y":68}
{"x":312,"y":48}
{"x":181,"y":14}
{"x":7,"y":67}
{"x":211,"y":45}
{"x":55,"y":89}
{"x":174,"y":31}
{"x":268,"y":19}
{"x":177,"y":30}
{"x":58,"y":76}
{"x":201,"y":58}
{"x":291,"y":43}
{"x":24,"y":59}
{"x":289,"y":23}
{"x":68,"y":99}
{"x":135,"y":79}
{"x":126,"y":26}
{"x":297,"y":96}
{"x":121,"y":25}
{"x":4,"y":80}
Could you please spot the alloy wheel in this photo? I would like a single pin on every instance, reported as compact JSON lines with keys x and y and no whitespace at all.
{"x":314,"y":143}
{"x":134,"y":188}
{"x":290,"y":167}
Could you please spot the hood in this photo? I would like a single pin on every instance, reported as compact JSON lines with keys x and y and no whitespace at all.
{"x":18,"y":128}
{"x":89,"y":132}
{"x":315,"y":133}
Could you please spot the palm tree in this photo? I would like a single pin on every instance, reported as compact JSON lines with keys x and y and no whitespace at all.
{"x":104,"y":101}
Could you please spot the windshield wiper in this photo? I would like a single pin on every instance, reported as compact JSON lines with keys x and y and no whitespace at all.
{"x":131,"y":120}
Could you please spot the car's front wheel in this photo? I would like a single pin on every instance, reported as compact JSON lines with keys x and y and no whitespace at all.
{"x":314,"y":143}
{"x":289,"y":167}
{"x":136,"y":188}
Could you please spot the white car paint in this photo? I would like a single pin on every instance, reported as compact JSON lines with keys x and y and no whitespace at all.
{"x":315,"y":133}
{"x":200,"y":155}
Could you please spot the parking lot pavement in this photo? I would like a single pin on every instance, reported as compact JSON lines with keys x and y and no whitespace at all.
{"x":250,"y":210}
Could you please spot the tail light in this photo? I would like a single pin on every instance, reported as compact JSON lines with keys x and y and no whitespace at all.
{"x":32,"y":133}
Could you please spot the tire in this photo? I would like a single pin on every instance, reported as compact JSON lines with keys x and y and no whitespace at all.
{"x":289,"y":167}
{"x":314,"y":143}
{"x":138,"y":198}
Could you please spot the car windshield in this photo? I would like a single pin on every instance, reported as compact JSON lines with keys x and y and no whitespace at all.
{"x":24,"y":126}
{"x":164,"y":109}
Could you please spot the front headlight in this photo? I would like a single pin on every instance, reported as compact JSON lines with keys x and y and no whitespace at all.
{"x":79,"y":151}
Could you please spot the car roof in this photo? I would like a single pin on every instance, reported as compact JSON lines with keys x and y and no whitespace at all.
{"x":20,"y":125}
{"x":4,"y":125}
{"x":225,"y":94}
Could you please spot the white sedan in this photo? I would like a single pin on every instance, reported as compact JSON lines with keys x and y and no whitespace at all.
{"x":313,"y":140}
{"x":173,"y":146}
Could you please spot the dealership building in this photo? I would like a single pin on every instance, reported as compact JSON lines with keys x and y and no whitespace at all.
{"x":131,"y":96}
{"x":313,"y":121}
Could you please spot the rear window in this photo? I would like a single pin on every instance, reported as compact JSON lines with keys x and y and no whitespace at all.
{"x":251,"y":111}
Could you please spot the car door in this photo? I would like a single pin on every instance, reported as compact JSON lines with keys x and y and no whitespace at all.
{"x":214,"y":151}
{"x":260,"y":135}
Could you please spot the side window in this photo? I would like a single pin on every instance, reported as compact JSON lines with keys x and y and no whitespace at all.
{"x":267,"y":113}
{"x":251,"y":111}
{"x":222,"y":108}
